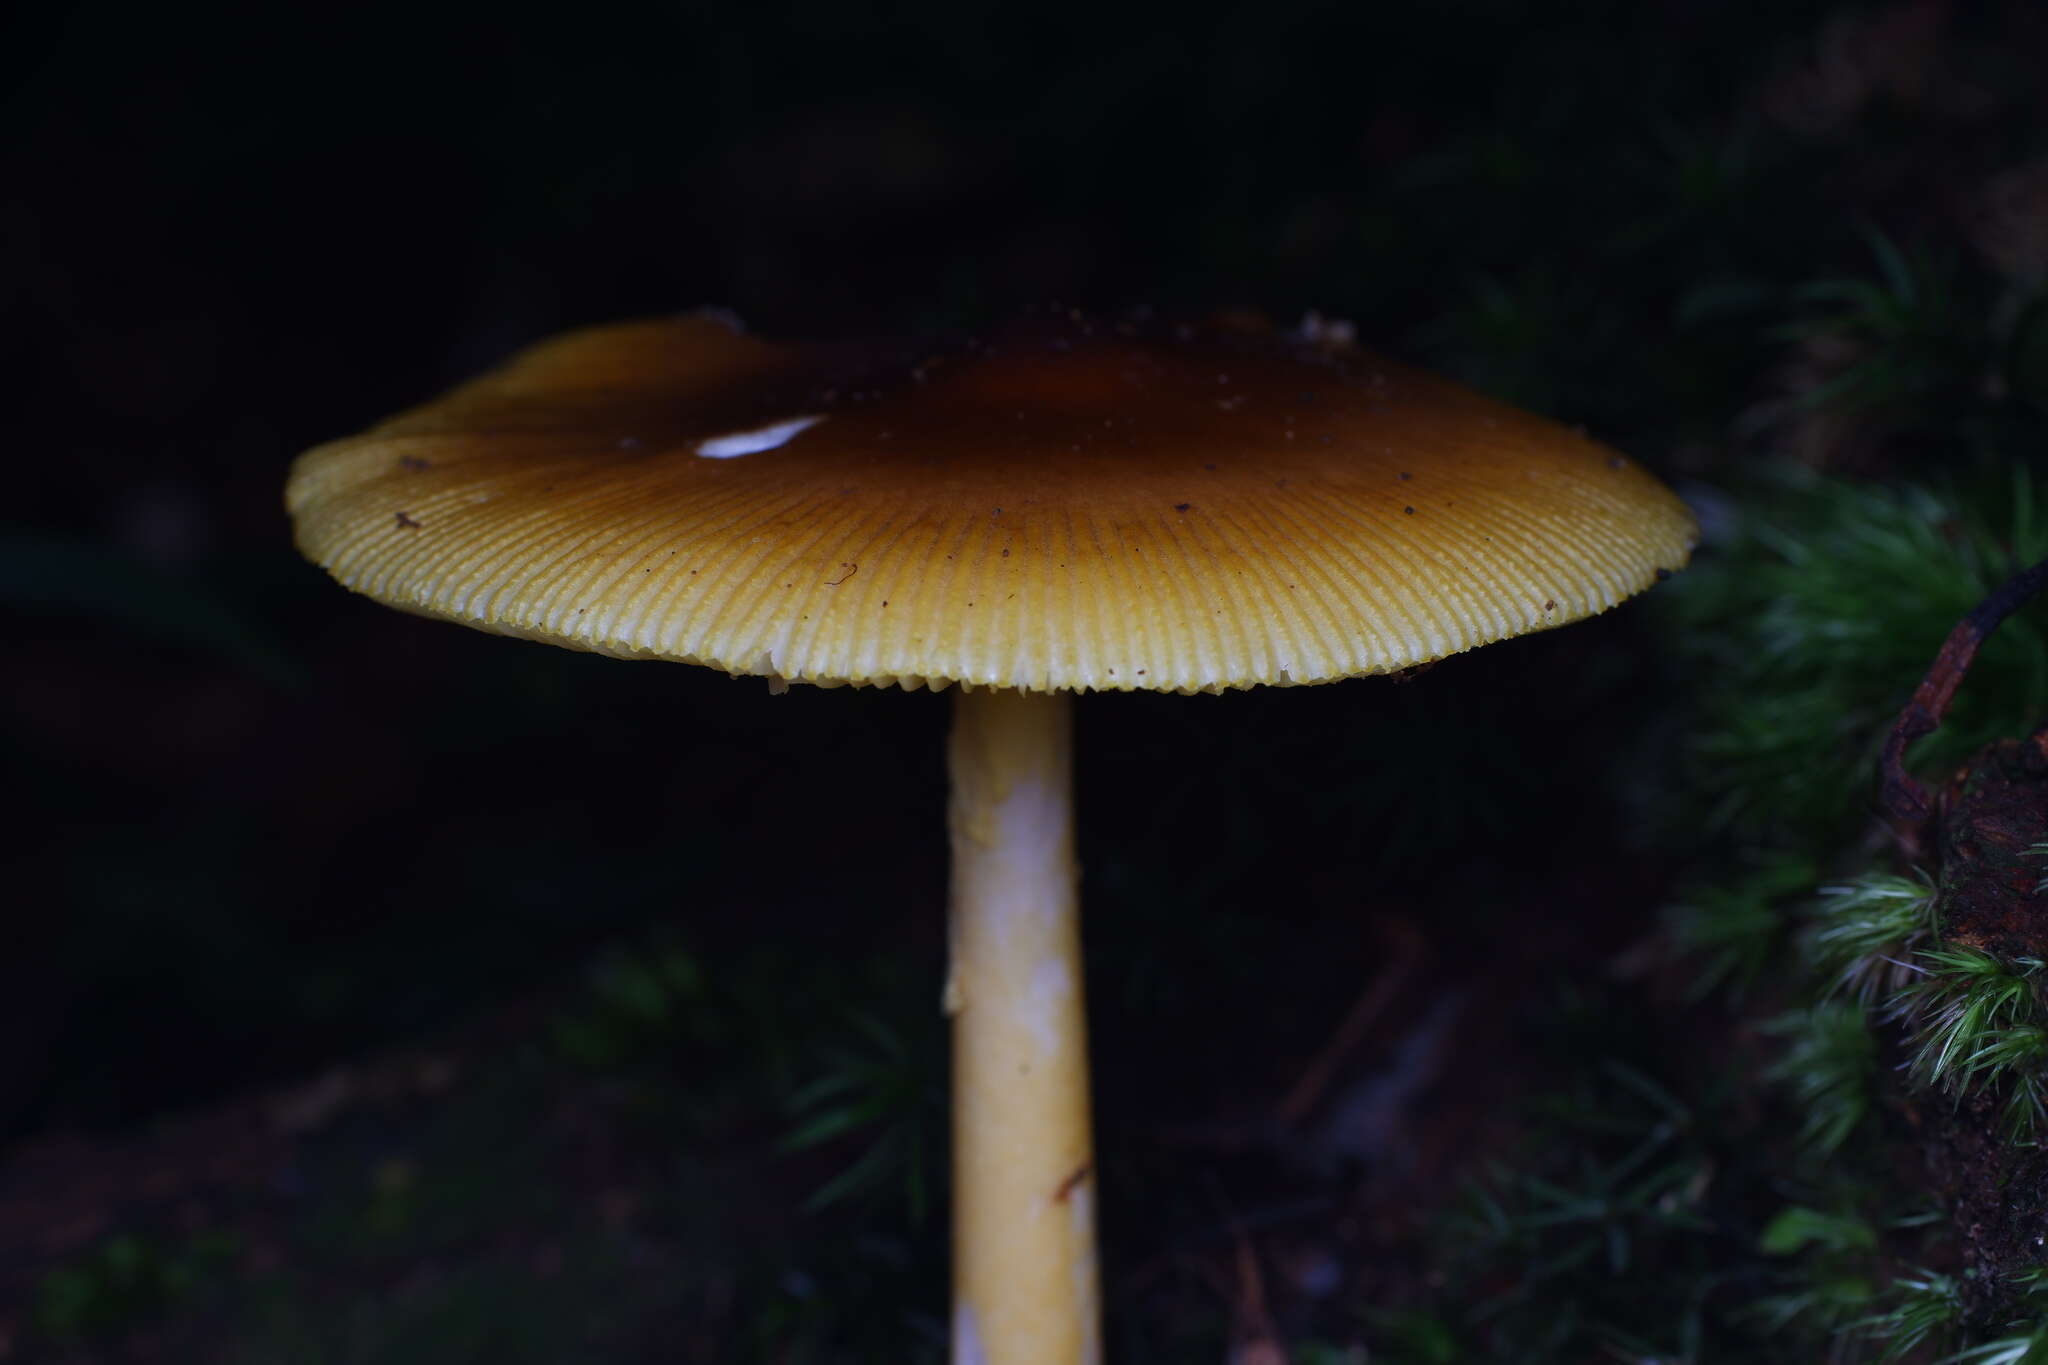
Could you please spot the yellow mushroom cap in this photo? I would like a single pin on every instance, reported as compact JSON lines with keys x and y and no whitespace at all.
{"x":1067,"y":505}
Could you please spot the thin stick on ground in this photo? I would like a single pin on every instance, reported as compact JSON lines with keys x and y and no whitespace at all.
{"x":1371,"y":1003}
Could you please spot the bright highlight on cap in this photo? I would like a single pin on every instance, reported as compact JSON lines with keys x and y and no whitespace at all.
{"x":759,"y":439}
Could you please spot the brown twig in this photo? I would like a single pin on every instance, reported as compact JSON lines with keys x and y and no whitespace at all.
{"x":1258,"y":1341}
{"x":1378,"y":994}
{"x":1254,"y":1339}
{"x":1904,"y":800}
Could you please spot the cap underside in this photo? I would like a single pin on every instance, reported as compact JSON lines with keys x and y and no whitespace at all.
{"x":1064,"y":507}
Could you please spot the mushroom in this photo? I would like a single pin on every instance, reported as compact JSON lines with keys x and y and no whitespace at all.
{"x":1064,"y":507}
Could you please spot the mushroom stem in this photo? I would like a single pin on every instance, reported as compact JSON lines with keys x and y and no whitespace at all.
{"x":1024,"y":1281}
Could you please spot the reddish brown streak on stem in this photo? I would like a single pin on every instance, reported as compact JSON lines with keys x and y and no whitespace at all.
{"x":1071,"y":1183}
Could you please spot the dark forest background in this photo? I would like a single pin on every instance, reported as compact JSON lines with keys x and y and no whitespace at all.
{"x":375,"y":990}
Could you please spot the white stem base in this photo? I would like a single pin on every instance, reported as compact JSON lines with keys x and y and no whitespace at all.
{"x":1024,"y":1278}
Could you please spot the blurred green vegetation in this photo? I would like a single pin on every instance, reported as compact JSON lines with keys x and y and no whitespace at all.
{"x":122,"y":1280}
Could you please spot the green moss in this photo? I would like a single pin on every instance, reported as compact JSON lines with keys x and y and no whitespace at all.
{"x":1815,"y":609}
